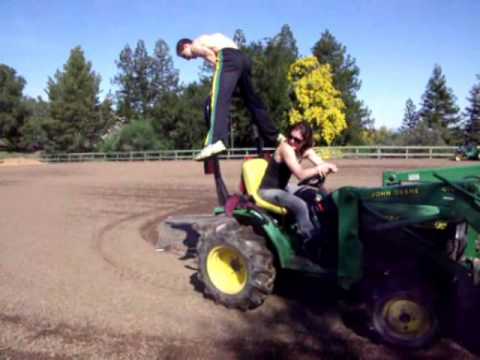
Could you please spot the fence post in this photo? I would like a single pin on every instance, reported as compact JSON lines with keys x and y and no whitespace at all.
{"x":379,"y":153}
{"x":430,"y":153}
{"x":406,"y":153}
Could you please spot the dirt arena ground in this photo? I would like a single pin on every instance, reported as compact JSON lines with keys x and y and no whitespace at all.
{"x":80,"y":278}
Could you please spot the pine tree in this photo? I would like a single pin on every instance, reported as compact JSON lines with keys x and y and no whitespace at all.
{"x":163,"y":76}
{"x":239,"y":39}
{"x":13,"y":112}
{"x":438,"y":108}
{"x":472,"y":114}
{"x":125,"y":80}
{"x":345,"y":79}
{"x":410,"y":118}
{"x":144,"y":79}
{"x":141,"y":70}
{"x":78,"y":119}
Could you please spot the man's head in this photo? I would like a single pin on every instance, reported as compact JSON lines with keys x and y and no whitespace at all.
{"x":184,"y":48}
{"x":301,"y":137}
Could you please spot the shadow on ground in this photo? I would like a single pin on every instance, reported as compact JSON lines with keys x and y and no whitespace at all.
{"x":318,"y":319}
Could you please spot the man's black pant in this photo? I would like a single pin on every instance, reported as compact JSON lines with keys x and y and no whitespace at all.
{"x":234,"y":69}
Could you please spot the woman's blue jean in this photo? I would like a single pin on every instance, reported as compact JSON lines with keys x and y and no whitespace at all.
{"x":296,"y":205}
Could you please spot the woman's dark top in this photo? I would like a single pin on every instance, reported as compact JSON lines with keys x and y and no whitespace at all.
{"x":276,"y":176}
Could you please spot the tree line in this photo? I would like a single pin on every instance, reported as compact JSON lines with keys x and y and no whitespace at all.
{"x":152,"y":110}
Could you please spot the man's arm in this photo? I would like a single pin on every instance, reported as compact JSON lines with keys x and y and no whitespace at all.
{"x":204,"y":52}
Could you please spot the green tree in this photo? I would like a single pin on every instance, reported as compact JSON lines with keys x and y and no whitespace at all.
{"x":472,"y":114}
{"x":188,"y":128}
{"x":410,"y":117}
{"x":316,"y":101}
{"x":380,"y":136}
{"x":13,"y":112}
{"x":438,"y":110}
{"x":78,"y":119}
{"x":125,"y":80}
{"x":144,"y":79}
{"x":137,"y":135}
{"x":34,"y":133}
{"x":163,"y":76}
{"x":423,"y":135}
{"x":272,"y":75}
{"x":239,"y":39}
{"x":271,"y":60}
{"x":345,"y":79}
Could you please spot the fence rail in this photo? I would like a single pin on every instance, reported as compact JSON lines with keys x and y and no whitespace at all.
{"x":334,"y":152}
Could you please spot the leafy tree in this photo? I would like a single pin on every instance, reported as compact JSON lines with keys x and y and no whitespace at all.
{"x":423,"y":135}
{"x":472,"y":114}
{"x":438,"y":110}
{"x":381,"y":136}
{"x":138,"y":135}
{"x":34,"y":133}
{"x":78,"y":119}
{"x":410,"y":118}
{"x":345,"y":79}
{"x":189,"y":127}
{"x":316,"y":100}
{"x":13,"y":112}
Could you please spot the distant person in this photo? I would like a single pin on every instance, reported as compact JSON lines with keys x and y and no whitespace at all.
{"x":232,"y":69}
{"x":275,"y":187}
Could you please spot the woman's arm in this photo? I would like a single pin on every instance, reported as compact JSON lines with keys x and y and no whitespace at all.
{"x":287,"y":154}
{"x":311,"y":155}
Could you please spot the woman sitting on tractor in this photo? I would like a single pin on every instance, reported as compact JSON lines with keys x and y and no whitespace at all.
{"x":285,"y":162}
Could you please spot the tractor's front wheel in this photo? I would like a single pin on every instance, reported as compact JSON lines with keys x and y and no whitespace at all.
{"x":405,"y":319}
{"x":235,"y":266}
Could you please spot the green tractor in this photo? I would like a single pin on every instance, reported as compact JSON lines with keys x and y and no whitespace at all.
{"x":402,"y":246}
{"x":467,"y":152}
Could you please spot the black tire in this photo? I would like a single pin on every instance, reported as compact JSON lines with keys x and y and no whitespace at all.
{"x":405,"y":319}
{"x":240,"y":251}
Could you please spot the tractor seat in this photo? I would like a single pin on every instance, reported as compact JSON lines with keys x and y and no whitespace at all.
{"x":252,"y":173}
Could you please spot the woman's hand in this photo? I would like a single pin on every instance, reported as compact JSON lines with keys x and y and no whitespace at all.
{"x":325,"y":168}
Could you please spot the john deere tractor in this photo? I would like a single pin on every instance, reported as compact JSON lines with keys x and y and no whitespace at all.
{"x":404,"y":246}
{"x":468,"y":151}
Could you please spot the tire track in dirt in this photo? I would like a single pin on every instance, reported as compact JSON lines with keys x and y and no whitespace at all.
{"x":145,"y":225}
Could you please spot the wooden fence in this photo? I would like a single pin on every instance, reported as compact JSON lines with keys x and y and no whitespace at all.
{"x":332,"y":152}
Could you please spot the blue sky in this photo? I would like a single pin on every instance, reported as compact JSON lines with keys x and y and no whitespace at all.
{"x":395,"y":42}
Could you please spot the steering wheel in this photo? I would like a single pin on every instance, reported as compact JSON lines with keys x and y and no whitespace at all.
{"x":315,"y":181}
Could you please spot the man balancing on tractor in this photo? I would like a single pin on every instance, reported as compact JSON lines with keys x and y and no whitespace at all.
{"x":232,"y":69}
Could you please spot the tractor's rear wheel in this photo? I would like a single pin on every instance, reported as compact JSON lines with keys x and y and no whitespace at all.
{"x":405,"y":319}
{"x":235,"y":266}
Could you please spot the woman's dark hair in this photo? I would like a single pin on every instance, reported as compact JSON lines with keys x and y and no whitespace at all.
{"x":307,"y":134}
{"x":181,"y":43}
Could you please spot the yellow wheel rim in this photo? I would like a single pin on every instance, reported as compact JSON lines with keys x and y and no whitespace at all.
{"x":407,"y":317}
{"x":227,"y":269}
